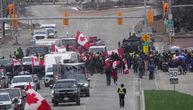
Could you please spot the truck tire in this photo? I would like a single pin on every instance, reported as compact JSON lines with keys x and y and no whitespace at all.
{"x":55,"y":103}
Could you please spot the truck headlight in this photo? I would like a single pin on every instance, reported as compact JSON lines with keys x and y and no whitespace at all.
{"x":85,"y":85}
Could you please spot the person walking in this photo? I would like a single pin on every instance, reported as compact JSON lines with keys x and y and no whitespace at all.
{"x":141,"y":68}
{"x":108,"y":74}
{"x":115,"y":76}
{"x":151,"y":68}
{"x":122,"y":91}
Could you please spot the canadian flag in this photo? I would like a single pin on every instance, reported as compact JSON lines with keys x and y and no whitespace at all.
{"x":82,"y":40}
{"x":83,"y":56}
{"x":34,"y":101}
{"x":126,"y":70}
{"x":37,"y":62}
{"x":119,"y":51}
{"x":16,"y":62}
{"x":115,"y":64}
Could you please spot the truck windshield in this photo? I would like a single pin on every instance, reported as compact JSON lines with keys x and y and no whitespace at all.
{"x":21,"y":79}
{"x":4,"y":98}
{"x":66,"y":84}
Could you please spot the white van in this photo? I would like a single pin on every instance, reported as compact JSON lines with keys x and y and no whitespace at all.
{"x":66,"y":57}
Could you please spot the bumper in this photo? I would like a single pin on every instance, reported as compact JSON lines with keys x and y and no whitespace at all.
{"x":65,"y":98}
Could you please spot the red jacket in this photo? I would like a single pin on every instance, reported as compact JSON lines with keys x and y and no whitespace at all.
{"x":114,"y":74}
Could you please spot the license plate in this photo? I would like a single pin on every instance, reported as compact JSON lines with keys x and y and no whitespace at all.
{"x":66,"y":98}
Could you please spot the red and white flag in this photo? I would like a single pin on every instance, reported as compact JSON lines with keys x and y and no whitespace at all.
{"x":119,"y":51}
{"x":16,"y":62}
{"x":37,"y":62}
{"x":34,"y":101}
{"x":82,"y":40}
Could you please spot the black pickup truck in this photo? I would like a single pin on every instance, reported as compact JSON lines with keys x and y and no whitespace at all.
{"x":65,"y":90}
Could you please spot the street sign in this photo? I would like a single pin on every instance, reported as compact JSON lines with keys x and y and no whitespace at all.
{"x":146,"y":37}
{"x":170,"y":23}
{"x":146,"y":43}
{"x":173,"y":74}
{"x":145,"y":49}
{"x":171,"y":33}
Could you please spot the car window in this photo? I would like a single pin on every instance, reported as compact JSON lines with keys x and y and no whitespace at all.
{"x":21,"y":79}
{"x":78,"y":77}
{"x":66,"y":84}
{"x":27,"y":59}
{"x":68,"y":41}
{"x":4,"y":98}
{"x":12,"y":92}
{"x":50,"y":70}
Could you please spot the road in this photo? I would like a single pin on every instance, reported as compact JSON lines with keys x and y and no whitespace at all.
{"x":102,"y":97}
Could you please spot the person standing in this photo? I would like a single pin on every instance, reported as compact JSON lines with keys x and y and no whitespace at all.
{"x":122,"y":91}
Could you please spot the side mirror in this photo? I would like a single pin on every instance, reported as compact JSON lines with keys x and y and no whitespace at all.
{"x":51,"y":86}
{"x":35,"y":80}
{"x":32,"y":34}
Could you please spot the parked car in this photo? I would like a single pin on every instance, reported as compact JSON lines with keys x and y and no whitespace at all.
{"x":83,"y":83}
{"x":7,"y":63}
{"x":17,"y":97}
{"x":65,"y":90}
{"x":4,"y":80}
{"x":5,"y":101}
{"x":21,"y":81}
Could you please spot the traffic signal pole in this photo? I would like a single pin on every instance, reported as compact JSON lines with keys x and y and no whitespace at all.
{"x":145,"y":17}
{"x":2,"y":22}
{"x":170,"y":13}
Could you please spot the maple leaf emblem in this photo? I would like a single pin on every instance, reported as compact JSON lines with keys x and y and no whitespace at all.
{"x":82,"y":38}
{"x":31,"y":98}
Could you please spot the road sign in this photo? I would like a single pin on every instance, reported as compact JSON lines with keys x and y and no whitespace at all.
{"x":173,"y":73}
{"x":146,"y":43}
{"x":170,"y":23}
{"x":146,"y":37}
{"x":171,"y":33}
{"x":145,"y":49}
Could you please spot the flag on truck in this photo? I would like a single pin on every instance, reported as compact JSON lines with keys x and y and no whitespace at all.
{"x":34,"y":101}
{"x":82,"y":40}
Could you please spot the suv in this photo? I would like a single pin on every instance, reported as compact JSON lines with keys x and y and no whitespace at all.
{"x":5,"y":101}
{"x":15,"y":94}
{"x":65,"y":90}
{"x":22,"y":81}
{"x":83,"y":83}
{"x":3,"y":78}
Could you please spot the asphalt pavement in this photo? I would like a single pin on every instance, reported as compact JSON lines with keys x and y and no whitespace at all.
{"x":102,"y":97}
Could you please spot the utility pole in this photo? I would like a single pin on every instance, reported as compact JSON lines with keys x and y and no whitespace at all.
{"x":170,"y":17}
{"x":145,"y":17}
{"x":2,"y":22}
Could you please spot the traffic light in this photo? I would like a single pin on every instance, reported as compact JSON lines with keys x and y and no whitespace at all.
{"x":120,"y":20}
{"x":165,"y":7}
{"x":14,"y":22}
{"x":150,"y":16}
{"x":11,"y":8}
{"x":66,"y":20}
